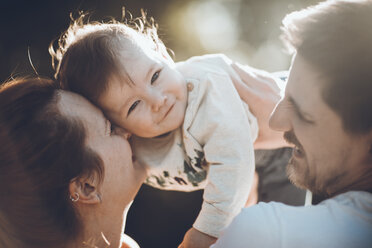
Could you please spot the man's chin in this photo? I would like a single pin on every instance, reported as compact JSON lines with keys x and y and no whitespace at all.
{"x":296,"y":174}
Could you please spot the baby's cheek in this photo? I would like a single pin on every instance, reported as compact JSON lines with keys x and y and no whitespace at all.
{"x":147,"y":126}
{"x":120,"y":121}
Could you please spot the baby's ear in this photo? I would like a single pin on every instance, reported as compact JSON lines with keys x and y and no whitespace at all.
{"x":84,"y":190}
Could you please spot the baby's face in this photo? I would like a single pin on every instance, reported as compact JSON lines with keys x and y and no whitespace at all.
{"x":154,"y":103}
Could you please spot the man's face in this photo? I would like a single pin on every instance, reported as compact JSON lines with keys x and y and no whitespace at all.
{"x":325,"y":158}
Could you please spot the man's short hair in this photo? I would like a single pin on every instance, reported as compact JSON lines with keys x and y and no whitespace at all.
{"x":335,"y":37}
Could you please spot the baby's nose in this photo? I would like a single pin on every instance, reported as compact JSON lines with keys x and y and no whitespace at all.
{"x":158,"y":102}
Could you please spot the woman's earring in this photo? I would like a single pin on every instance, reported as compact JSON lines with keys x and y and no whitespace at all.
{"x":77,"y":196}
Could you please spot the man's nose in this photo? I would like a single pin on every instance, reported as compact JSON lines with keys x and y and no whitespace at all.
{"x":280,"y":118}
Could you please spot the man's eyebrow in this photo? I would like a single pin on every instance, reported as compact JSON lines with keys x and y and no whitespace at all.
{"x":303,"y":115}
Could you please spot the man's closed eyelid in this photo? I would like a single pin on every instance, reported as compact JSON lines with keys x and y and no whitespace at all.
{"x":301,"y":116}
{"x":307,"y":119}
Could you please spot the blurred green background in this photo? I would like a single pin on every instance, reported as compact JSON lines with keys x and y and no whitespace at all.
{"x":246,"y":30}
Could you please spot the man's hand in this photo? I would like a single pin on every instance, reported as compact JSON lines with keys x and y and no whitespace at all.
{"x":195,"y":239}
{"x":260,"y":91}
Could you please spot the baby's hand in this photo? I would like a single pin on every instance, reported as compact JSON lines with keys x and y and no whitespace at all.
{"x":196,"y":239}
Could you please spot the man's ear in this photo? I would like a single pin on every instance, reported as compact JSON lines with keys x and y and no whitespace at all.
{"x":84,"y":190}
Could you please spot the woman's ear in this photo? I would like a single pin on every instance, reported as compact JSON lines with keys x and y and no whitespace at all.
{"x":84,"y":190}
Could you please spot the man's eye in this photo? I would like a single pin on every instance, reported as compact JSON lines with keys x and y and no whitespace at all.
{"x":155,"y":76}
{"x":134,"y":105}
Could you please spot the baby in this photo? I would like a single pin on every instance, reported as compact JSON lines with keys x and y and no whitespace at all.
{"x":190,"y":127}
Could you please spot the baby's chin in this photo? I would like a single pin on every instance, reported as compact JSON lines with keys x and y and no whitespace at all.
{"x":163,"y":129}
{"x":154,"y":134}
{"x":166,"y":132}
{"x":163,"y":135}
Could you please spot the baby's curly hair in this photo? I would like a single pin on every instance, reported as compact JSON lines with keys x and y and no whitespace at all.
{"x":87,"y":52}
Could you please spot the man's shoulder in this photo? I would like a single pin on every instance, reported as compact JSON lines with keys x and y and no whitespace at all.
{"x":342,"y":221}
{"x":352,"y":204}
{"x":351,"y":198}
{"x":355,"y":204}
{"x":275,"y":215}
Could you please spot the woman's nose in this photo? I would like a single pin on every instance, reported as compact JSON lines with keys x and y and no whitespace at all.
{"x":279,"y":119}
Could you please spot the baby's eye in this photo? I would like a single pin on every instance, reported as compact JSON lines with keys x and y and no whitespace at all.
{"x":155,"y":76}
{"x":134,"y":105}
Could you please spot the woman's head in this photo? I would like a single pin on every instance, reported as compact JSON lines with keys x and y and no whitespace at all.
{"x":122,"y":179}
{"x":46,"y":155}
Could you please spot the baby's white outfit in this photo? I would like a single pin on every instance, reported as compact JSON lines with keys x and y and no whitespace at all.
{"x":212,"y":150}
